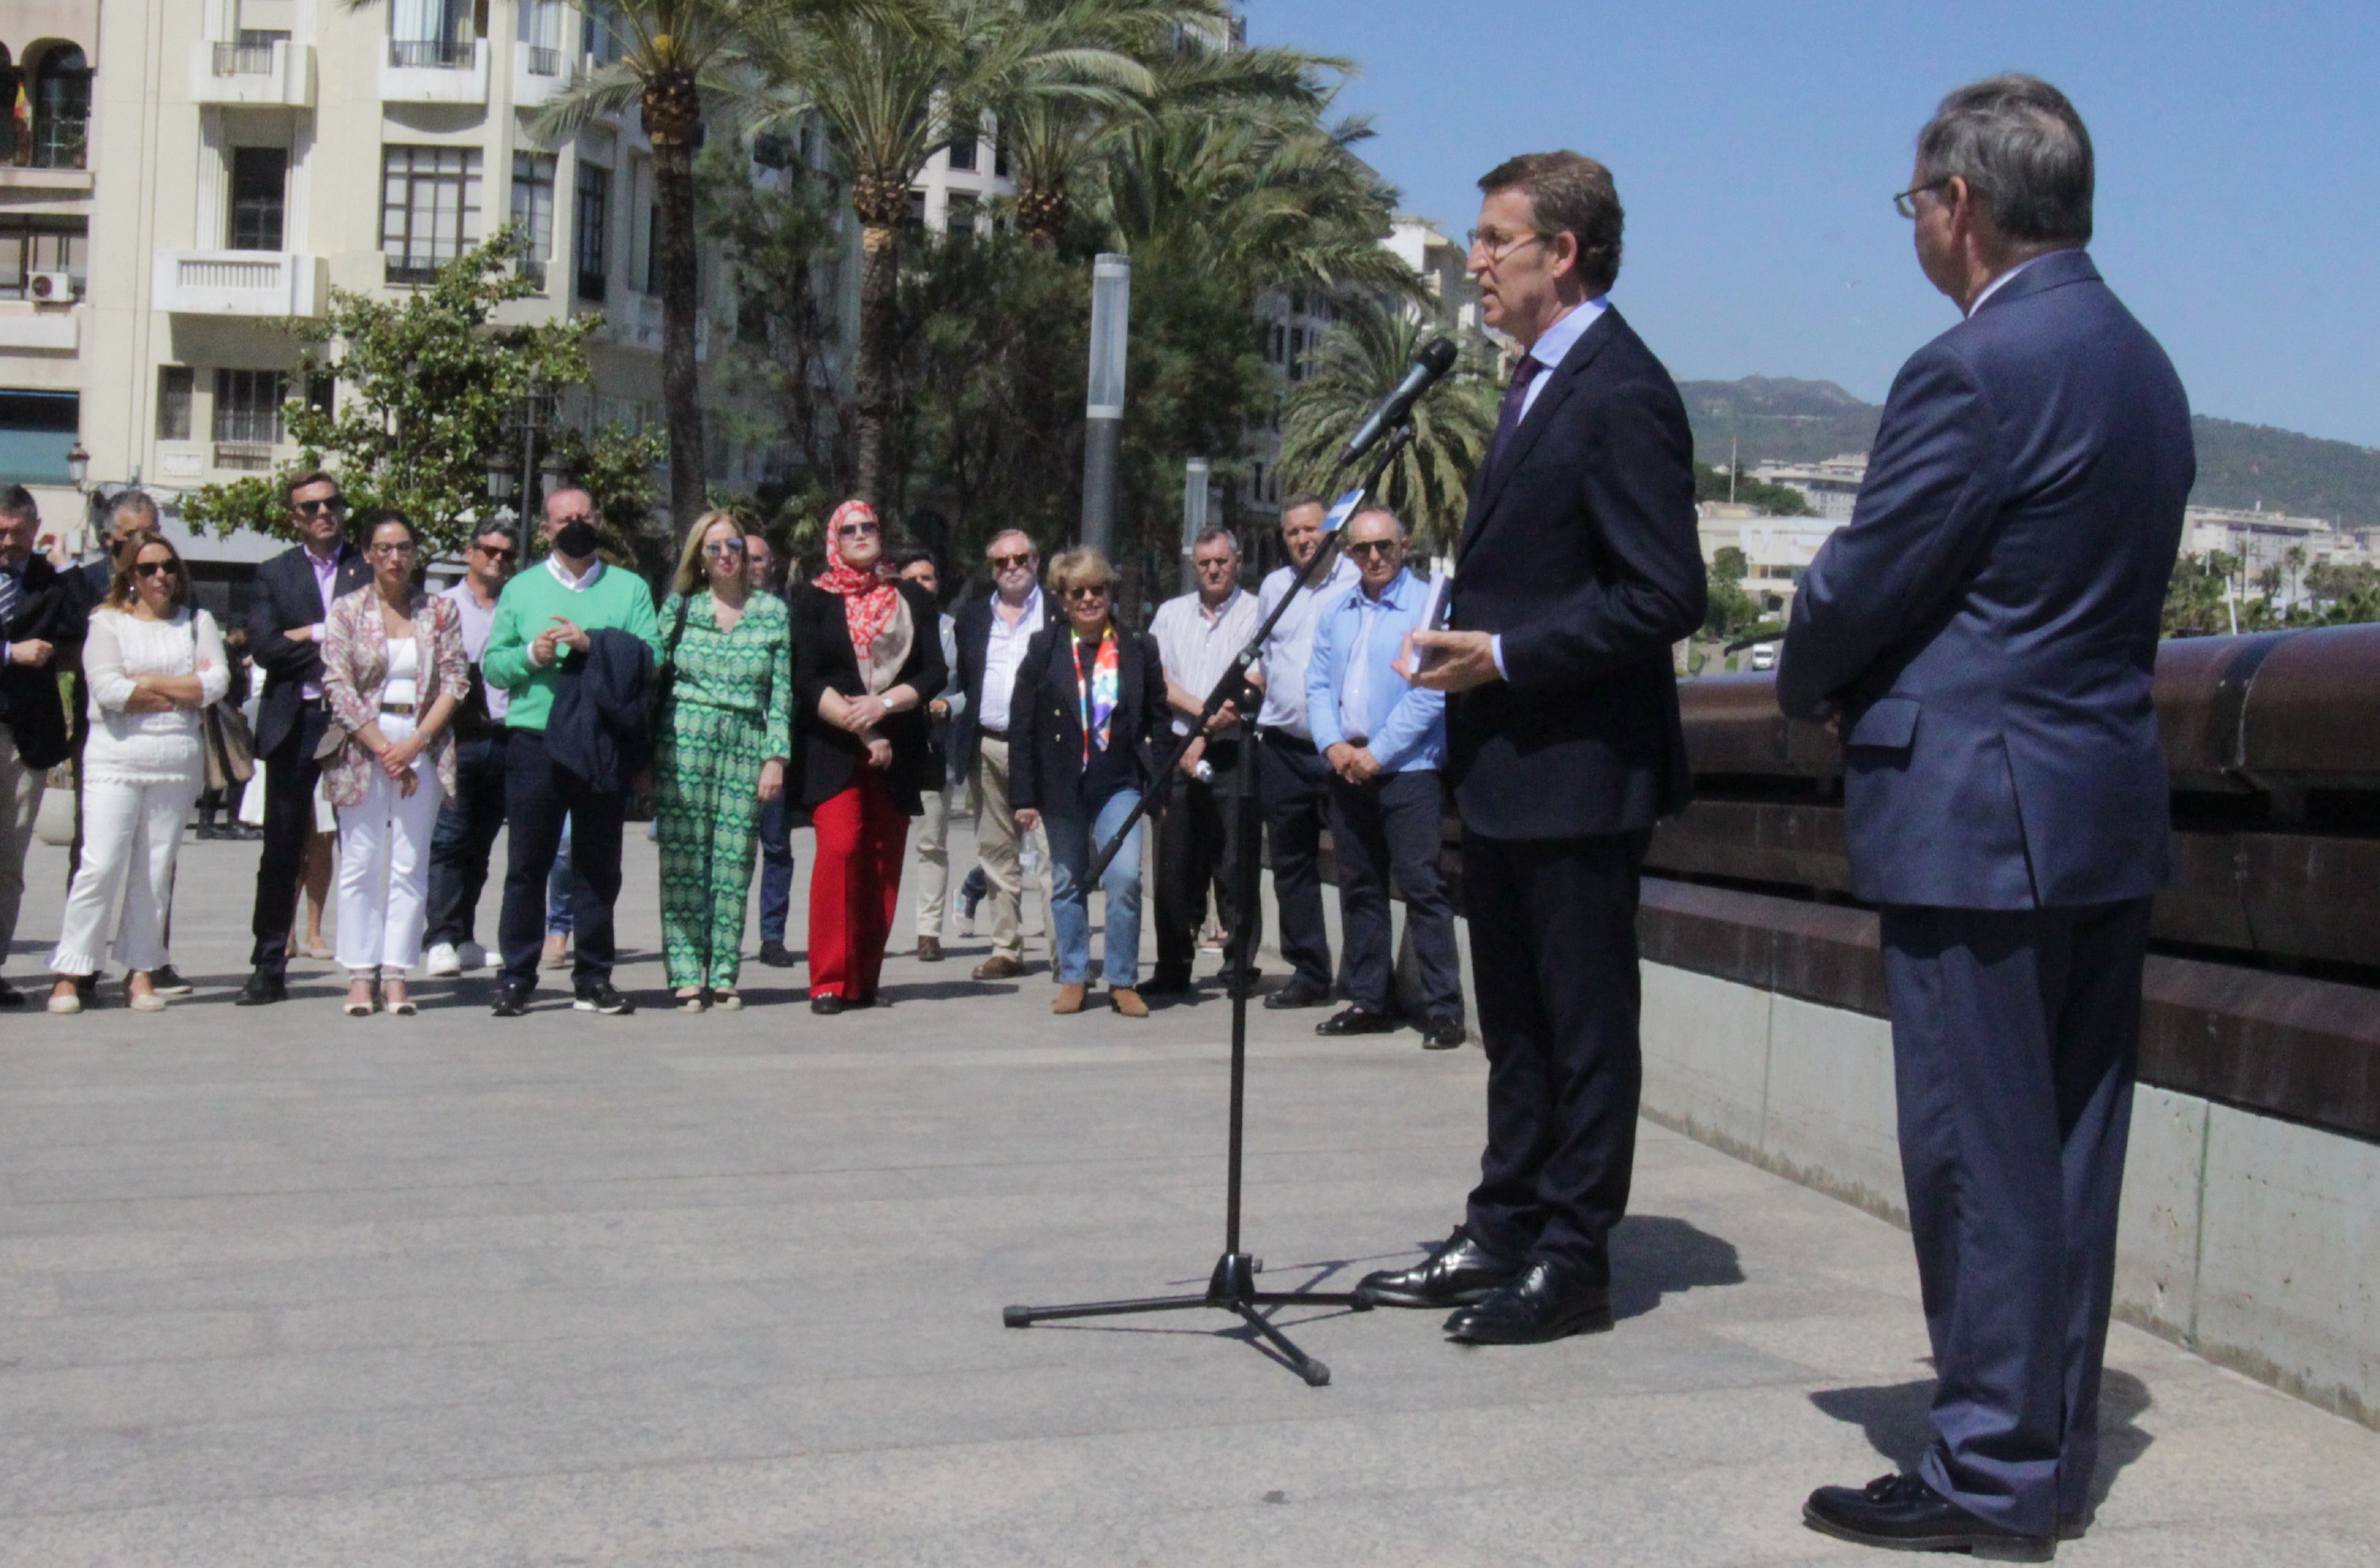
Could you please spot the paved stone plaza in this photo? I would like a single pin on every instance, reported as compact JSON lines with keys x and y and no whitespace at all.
{"x":279,"y":1288}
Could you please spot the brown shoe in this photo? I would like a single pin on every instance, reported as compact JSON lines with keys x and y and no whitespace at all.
{"x":929,"y":950}
{"x":1070,"y":997}
{"x":1127,"y":1001}
{"x":997,"y":967}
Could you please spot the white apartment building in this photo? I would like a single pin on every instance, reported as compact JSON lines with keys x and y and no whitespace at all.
{"x":47,"y":48}
{"x":1830,"y":487}
{"x":2265,"y":538}
{"x":248,"y":156}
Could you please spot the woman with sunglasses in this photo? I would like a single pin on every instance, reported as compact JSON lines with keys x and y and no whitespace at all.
{"x":152,"y":663}
{"x":1088,"y":708}
{"x":395,"y":671}
{"x":867,"y":650}
{"x":721,"y":737}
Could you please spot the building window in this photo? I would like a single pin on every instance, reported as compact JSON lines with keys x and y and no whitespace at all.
{"x":999,"y":161}
{"x":533,"y":210}
{"x":61,"y":108}
{"x":248,"y":407}
{"x":589,"y":223}
{"x":541,"y":23}
{"x":174,"y":383}
{"x":1296,"y":354}
{"x":916,"y":210}
{"x":258,"y":177}
{"x":430,"y":209}
{"x":963,"y":154}
{"x":37,"y":430}
{"x":653,"y":278}
{"x":959,"y":216}
{"x":433,"y":33}
{"x":31,"y":248}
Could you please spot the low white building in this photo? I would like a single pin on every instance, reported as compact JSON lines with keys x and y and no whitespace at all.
{"x":1829,"y":487}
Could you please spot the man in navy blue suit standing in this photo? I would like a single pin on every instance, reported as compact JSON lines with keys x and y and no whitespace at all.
{"x":1983,"y":634}
{"x":1578,"y":568}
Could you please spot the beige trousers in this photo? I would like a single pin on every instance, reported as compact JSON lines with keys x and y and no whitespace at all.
{"x":933,"y":862}
{"x":996,"y":847}
{"x":20,"y":803}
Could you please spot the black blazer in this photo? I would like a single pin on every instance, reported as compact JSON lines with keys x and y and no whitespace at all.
{"x":49,"y":608}
{"x":282,"y":598}
{"x":1045,"y":767}
{"x":973,"y":632}
{"x":1580,"y":549}
{"x":823,"y":660}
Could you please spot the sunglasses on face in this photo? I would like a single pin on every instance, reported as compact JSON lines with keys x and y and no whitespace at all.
{"x":718,"y":547}
{"x":858,"y":530}
{"x":334,"y":506}
{"x":1380,"y":547}
{"x":150,"y":568}
{"x":1095,"y":590}
{"x":1010,"y":562}
{"x":496,"y":552}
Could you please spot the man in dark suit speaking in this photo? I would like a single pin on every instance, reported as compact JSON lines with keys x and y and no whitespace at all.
{"x":1578,"y":570}
{"x":1983,"y":634}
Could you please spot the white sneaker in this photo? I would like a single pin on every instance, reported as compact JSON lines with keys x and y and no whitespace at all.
{"x":474,"y":956}
{"x":443,"y":961}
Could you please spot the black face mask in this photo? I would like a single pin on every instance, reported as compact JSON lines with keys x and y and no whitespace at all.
{"x":577,"y":539}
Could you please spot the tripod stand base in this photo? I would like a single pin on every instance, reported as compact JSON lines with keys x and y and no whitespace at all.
{"x":1232,"y":1288}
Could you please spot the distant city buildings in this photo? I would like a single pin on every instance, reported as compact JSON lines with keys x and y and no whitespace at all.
{"x":1829,"y":487}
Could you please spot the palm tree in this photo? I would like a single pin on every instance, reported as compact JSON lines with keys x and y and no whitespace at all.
{"x":892,"y":89}
{"x":1361,"y":363}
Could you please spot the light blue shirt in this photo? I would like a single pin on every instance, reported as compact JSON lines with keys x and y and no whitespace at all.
{"x":1551,"y":350}
{"x":1356,"y":639}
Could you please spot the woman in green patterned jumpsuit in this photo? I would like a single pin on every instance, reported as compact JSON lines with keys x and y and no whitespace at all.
{"x":723,"y":737}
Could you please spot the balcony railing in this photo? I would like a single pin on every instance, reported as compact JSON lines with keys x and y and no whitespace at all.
{"x":250,"y":456}
{"x":237,"y":283}
{"x":243,"y":59}
{"x":59,"y":142}
{"x":430,"y":54}
{"x":544,"y":62}
{"x":278,"y":73}
{"x":434,"y":71}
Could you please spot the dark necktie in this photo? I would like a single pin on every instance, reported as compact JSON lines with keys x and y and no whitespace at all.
{"x":1508,"y":416}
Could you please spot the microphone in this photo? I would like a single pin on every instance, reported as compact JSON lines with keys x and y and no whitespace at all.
{"x":1434,"y":361}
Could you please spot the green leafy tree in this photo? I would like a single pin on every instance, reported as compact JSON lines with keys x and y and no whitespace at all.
{"x":427,"y":411}
{"x":1776,"y":500}
{"x":1367,"y":354}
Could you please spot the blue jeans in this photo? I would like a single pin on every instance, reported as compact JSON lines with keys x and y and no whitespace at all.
{"x":776,"y":870}
{"x":1072,"y":845}
{"x":564,"y":888}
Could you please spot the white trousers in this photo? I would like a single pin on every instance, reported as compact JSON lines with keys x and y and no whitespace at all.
{"x":384,"y":867}
{"x":130,"y":832}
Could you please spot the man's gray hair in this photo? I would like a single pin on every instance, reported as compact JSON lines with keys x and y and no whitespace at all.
{"x":1381,"y":512}
{"x":2021,"y":148}
{"x":1214,"y":533}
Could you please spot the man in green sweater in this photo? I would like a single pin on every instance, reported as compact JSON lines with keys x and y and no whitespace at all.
{"x":539,"y":642}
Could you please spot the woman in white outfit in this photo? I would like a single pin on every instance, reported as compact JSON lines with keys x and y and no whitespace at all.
{"x":394,"y":670}
{"x":152,"y":663}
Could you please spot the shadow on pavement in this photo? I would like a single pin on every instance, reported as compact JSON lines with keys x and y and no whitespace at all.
{"x":1654,"y":1255}
{"x":1894,"y":1417}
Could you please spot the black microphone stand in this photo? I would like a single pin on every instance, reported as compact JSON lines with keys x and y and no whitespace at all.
{"x":1231,"y":1288}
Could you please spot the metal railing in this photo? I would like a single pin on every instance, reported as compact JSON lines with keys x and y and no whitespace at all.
{"x":249,"y":456}
{"x":544,"y":62}
{"x":243,"y":59}
{"x":59,"y":142}
{"x":430,"y":54}
{"x":408,"y":274}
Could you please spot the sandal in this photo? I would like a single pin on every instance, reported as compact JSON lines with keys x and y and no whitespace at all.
{"x":727,"y":1001}
{"x":365,"y":1008}
{"x":692,"y":1000}
{"x":401,"y":1007}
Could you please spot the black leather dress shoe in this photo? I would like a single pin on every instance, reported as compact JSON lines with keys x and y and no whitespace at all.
{"x":1443,"y":1035}
{"x":1170,"y":982}
{"x":773,"y":955}
{"x":10,"y":996}
{"x":1547,"y":1302}
{"x":511,"y":1002}
{"x":1298,"y":993}
{"x":262,"y":990}
{"x":1457,"y":1273}
{"x":826,"y":1005}
{"x":1905,"y":1514}
{"x":1356,"y":1021}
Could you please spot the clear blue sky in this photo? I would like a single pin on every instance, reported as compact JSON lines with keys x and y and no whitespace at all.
{"x":1756,"y":147}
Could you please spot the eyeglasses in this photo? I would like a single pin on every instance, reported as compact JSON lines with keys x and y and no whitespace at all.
{"x":334,"y":506}
{"x":496,"y":552}
{"x":1089,"y":590}
{"x":150,"y":568}
{"x":1010,"y":562}
{"x":858,"y":530}
{"x":718,"y":547}
{"x":1381,"y":547}
{"x":1498,"y":244}
{"x":1906,"y":207}
{"x":392,"y":551}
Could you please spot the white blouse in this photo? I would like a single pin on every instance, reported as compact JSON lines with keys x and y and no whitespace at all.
{"x":148,"y":748}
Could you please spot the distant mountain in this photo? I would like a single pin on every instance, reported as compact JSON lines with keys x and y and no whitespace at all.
{"x":1776,"y":419}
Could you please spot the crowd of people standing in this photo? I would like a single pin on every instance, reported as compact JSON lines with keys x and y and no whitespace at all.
{"x":399,"y":731}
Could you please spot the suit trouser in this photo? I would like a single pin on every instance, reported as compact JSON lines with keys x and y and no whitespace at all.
{"x":290,"y":774}
{"x":539,"y":795}
{"x":384,"y":846}
{"x":1553,"y":950}
{"x":467,"y":832}
{"x":1293,"y":784}
{"x":2014,"y":1037}
{"x":776,"y":865}
{"x":20,"y":806}
{"x":996,"y":845}
{"x":1198,"y":843}
{"x":1394,"y":823}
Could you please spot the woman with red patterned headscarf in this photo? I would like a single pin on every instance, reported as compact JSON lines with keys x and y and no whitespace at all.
{"x":867,"y":652}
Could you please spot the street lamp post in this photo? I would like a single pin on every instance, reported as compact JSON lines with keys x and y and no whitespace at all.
{"x":1103,"y":412}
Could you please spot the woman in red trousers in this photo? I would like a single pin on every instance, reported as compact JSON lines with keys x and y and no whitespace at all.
{"x":867,"y":650}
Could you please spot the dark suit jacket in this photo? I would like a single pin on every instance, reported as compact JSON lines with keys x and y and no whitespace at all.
{"x":823,"y":660}
{"x":974,"y":636}
{"x":1986,"y":625}
{"x":49,"y":608}
{"x":1580,"y":549}
{"x":283,"y":597}
{"x":1045,"y":768}
{"x":600,"y":724}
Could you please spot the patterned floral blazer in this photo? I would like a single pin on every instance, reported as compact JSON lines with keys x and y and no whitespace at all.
{"x":355,"y":670}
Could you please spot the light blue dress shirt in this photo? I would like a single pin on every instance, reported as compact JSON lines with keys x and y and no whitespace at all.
{"x":1355,"y":644}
